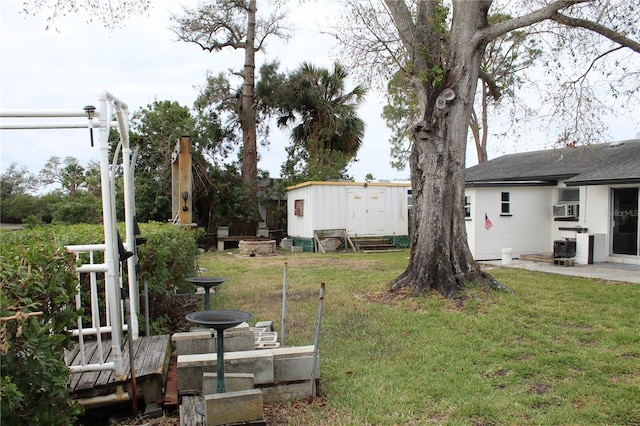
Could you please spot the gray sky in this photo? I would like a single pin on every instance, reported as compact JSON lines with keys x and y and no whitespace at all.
{"x":142,"y":62}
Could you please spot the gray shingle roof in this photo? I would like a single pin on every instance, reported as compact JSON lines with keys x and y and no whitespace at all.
{"x":596,"y":164}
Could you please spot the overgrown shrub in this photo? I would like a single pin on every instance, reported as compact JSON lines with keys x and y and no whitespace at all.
{"x":166,"y":259}
{"x":83,"y":208}
{"x":36,"y":278}
{"x":37,"y":275}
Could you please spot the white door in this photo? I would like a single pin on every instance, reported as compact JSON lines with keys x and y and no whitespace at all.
{"x":365,"y":211}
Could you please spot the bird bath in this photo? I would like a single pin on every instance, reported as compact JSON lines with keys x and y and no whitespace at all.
{"x":206,"y":283}
{"x":219,"y":321}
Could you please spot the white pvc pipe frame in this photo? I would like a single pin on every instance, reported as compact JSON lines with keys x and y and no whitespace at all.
{"x":109,"y":108}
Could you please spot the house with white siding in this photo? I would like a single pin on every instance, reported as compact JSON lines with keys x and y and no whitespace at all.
{"x":580,"y":201}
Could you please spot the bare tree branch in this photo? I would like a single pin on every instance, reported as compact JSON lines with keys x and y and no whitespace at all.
{"x":612,"y":35}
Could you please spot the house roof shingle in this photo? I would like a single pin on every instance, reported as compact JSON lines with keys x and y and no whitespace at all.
{"x":596,"y":164}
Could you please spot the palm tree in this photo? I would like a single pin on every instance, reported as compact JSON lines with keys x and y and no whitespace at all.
{"x":328,"y":128}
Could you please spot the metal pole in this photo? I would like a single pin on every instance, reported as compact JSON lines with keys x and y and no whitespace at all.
{"x":317,"y":342}
{"x":220,"y":360}
{"x":284,"y":305}
{"x":134,"y":389}
{"x":146,"y":308}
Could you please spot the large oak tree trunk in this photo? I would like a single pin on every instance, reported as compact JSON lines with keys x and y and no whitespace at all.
{"x":440,"y":256}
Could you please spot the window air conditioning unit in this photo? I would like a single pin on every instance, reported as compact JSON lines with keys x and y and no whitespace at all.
{"x":565,"y":211}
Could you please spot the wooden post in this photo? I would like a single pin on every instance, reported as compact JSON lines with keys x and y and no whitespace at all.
{"x":181,"y":182}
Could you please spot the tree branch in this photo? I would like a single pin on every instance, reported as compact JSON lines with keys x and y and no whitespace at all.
{"x":494,"y":31}
{"x":584,"y":74}
{"x":597,"y":28}
{"x":494,"y":90}
{"x":401,"y":15}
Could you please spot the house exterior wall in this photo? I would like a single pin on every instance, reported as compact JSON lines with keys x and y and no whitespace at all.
{"x":531,"y":227}
{"x":596,"y":217}
{"x":525,"y":230}
{"x":471,"y":221}
{"x":372,"y":209}
{"x":593,"y":215}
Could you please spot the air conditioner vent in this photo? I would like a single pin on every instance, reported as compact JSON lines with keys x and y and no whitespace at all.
{"x":565,"y":211}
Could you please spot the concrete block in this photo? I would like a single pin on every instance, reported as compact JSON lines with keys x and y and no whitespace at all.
{"x":190,"y":370}
{"x":265,"y":339}
{"x":196,"y":342}
{"x":292,"y":364}
{"x":192,"y":367}
{"x":264,"y":324}
{"x":233,"y":407}
{"x":203,"y":340}
{"x":223,"y":231}
{"x":286,"y":243}
{"x":258,"y":362}
{"x":297,"y":248}
{"x":233,"y":382}
{"x":286,"y":392}
{"x":239,"y":338}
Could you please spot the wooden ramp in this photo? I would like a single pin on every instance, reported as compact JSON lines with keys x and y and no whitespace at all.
{"x":151,"y":361}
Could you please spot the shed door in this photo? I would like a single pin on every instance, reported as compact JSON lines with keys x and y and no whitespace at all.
{"x":365,"y":211}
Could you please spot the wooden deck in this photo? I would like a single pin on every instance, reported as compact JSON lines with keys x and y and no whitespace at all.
{"x":151,"y":361}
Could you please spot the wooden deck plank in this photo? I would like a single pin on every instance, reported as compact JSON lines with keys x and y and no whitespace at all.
{"x":155,"y":355}
{"x":71,"y":354}
{"x":107,"y":377}
{"x":89,"y":350}
{"x":87,"y":380}
{"x":150,"y":355}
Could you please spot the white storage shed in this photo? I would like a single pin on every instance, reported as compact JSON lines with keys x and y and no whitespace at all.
{"x":362,"y":209}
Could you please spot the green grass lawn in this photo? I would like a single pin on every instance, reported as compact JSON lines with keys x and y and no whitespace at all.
{"x":560,"y":350}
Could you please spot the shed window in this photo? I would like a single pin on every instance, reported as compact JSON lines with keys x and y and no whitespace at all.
{"x":505,"y":203}
{"x":298,"y":207}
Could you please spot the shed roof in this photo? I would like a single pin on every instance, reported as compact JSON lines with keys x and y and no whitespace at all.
{"x":595,"y":164}
{"x":348,"y":183}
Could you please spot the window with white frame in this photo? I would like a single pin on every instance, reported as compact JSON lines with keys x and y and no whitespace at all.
{"x":467,"y":207}
{"x":505,"y":204}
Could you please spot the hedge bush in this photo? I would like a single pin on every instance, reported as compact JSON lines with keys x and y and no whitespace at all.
{"x":37,"y":277}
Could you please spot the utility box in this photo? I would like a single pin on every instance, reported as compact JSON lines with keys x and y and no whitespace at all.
{"x":564,"y":248}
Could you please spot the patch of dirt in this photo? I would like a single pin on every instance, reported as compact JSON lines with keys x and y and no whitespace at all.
{"x":402,"y":296}
{"x":540,"y":388}
{"x":390,"y":297}
{"x":275,"y":414}
{"x":293,"y":412}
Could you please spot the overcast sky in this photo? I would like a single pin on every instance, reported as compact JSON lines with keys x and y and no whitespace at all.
{"x":142,"y":62}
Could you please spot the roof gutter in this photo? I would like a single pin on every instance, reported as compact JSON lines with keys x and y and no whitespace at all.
{"x":622,"y":181}
{"x":486,"y":184}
